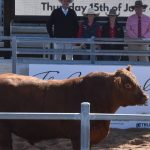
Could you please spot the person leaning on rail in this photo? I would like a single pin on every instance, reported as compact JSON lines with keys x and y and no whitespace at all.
{"x":138,"y":26}
{"x":112,"y":29}
{"x":89,"y":28}
{"x":63,"y":23}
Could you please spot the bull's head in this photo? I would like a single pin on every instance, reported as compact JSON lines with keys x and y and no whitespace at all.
{"x":129,"y":90}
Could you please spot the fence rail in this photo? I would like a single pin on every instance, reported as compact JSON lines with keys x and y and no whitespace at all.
{"x":85,"y":116}
{"x":92,"y":52}
{"x":40,"y":46}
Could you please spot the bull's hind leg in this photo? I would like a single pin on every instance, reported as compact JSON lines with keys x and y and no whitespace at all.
{"x":75,"y":144}
{"x":5,"y":138}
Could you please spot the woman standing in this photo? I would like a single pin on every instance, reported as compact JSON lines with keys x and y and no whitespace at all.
{"x":89,"y":28}
{"x":112,"y":29}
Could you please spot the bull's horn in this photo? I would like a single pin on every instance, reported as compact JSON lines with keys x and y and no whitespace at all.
{"x":129,"y":68}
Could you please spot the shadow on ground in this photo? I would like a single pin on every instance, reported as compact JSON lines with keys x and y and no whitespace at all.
{"x":117,"y":139}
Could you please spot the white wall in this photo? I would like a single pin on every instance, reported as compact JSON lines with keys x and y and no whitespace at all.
{"x":6,"y":67}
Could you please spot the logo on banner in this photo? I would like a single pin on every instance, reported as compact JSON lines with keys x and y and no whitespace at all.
{"x":49,"y":75}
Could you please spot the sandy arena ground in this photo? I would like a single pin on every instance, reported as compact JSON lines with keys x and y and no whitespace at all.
{"x":129,"y":139}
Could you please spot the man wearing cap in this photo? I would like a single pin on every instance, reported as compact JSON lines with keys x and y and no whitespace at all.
{"x":112,"y":29}
{"x":63,"y":23}
{"x":138,"y":26}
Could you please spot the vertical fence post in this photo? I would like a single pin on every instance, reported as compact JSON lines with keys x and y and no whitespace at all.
{"x":92,"y":56}
{"x":14,"y":54}
{"x":85,"y":126}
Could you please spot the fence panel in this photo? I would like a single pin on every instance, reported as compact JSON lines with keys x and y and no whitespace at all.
{"x":85,"y":116}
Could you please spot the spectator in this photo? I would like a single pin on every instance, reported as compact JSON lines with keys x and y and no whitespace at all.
{"x":63,"y":23}
{"x":138,"y":26}
{"x":89,"y":28}
{"x":112,"y":29}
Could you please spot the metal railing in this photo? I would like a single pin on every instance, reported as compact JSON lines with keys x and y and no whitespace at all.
{"x":85,"y":116}
{"x":16,"y":50}
{"x":92,"y":52}
{"x":3,"y":39}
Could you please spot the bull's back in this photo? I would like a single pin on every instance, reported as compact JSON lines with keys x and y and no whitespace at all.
{"x":29,"y":94}
{"x":20,"y":93}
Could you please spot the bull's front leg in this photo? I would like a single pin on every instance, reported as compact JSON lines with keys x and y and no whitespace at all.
{"x":76,"y":144}
{"x":5,"y":138}
{"x":99,"y":130}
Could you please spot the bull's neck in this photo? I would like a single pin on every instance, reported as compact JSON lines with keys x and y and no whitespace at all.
{"x":113,"y":109}
{"x":114,"y":103}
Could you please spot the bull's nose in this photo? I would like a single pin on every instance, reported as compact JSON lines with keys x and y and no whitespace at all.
{"x":147,"y":96}
{"x":145,"y":99}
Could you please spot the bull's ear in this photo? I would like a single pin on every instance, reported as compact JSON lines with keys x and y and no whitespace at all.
{"x":117,"y":81}
{"x":129,"y":68}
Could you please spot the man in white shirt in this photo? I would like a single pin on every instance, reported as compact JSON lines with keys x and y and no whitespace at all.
{"x":65,"y":23}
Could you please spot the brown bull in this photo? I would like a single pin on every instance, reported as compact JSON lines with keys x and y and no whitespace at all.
{"x":105,"y":91}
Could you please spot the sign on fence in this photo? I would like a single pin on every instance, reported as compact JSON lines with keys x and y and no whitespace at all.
{"x":45,"y":7}
{"x":69,"y":71}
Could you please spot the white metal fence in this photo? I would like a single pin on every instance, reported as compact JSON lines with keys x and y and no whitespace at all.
{"x":85,"y":116}
{"x":20,"y":46}
{"x":92,"y":51}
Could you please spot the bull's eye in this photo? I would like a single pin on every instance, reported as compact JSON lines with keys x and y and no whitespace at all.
{"x":128,"y":86}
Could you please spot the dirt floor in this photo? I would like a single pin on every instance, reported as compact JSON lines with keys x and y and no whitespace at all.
{"x":129,"y":139}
